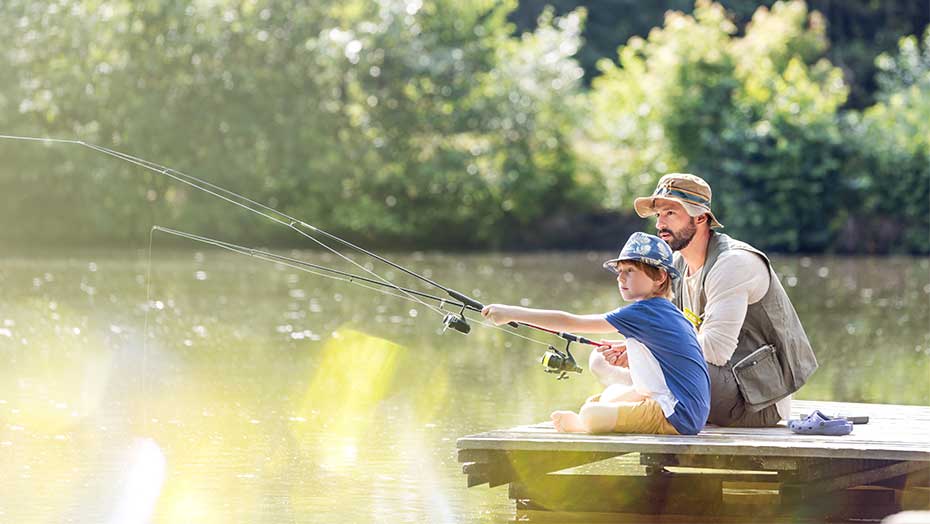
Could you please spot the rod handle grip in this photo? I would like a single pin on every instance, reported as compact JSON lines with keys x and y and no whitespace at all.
{"x":465,"y":299}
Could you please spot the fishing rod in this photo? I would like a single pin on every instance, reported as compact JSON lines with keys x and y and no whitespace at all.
{"x":554,"y":361}
{"x":455,"y":321}
{"x":299,"y":264}
{"x":561,"y":362}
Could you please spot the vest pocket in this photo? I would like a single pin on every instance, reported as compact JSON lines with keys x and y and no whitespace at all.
{"x":759,"y":376}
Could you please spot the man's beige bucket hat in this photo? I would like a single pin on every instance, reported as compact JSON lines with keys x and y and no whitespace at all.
{"x":690,"y":191}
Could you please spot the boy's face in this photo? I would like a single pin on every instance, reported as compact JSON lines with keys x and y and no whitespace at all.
{"x":634,"y":284}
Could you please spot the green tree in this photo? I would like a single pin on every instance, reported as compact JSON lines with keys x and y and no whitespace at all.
{"x":891,"y":161}
{"x":394,"y":121}
{"x":858,"y":30}
{"x":463,"y":130}
{"x":756,"y":115}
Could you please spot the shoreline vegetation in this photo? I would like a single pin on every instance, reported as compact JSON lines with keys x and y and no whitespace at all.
{"x":447,"y":125}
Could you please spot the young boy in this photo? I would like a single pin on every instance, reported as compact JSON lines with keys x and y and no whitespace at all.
{"x":669,"y":389}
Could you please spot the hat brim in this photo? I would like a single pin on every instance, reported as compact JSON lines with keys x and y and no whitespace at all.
{"x":646,"y":207}
{"x":611,"y":265}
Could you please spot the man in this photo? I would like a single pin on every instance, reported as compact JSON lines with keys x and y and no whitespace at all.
{"x":756,"y":349}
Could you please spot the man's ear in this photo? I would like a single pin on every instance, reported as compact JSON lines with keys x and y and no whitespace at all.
{"x":701,"y":219}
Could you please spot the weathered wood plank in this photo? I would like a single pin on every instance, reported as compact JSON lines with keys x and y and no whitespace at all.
{"x":893,"y":433}
{"x":804,"y":490}
{"x":475,"y":455}
{"x":728,"y":473}
{"x":545,"y":516}
{"x":680,"y":497}
{"x":752,"y":463}
{"x":477,"y":473}
{"x":612,"y":493}
{"x":508,"y":466}
{"x":729,"y":478}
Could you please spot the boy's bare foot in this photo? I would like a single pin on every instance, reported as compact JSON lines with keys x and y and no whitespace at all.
{"x":567,"y":422}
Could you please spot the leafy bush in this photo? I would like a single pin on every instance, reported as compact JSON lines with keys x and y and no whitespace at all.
{"x":758,"y":116}
{"x":396,"y":121}
{"x":431,"y":123}
{"x":891,"y":161}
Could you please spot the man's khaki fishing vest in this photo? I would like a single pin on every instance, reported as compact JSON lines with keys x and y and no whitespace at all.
{"x":773,"y":356}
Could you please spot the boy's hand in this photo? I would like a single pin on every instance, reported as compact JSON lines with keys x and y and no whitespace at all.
{"x":614,"y":352}
{"x":497,"y":313}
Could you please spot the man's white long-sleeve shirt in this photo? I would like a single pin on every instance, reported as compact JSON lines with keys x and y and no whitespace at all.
{"x":738,"y":279}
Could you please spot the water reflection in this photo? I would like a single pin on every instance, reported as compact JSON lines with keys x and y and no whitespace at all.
{"x":265,"y":394}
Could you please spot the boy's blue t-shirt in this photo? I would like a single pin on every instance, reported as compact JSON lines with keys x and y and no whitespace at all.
{"x":661,"y":327}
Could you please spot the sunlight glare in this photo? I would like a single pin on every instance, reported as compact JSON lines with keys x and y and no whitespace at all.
{"x":142,"y":485}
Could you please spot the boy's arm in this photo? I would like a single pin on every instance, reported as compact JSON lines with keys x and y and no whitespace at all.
{"x":548,"y":318}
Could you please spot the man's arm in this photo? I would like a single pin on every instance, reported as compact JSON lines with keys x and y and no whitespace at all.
{"x":547,"y":318}
{"x":739,"y":278}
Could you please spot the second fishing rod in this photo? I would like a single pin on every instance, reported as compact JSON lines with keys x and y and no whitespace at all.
{"x":554,"y":360}
{"x":450,"y":320}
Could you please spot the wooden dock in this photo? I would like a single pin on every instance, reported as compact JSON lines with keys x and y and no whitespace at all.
{"x":726,"y":474}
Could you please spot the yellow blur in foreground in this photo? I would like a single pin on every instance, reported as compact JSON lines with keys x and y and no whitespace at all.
{"x":354,"y":375}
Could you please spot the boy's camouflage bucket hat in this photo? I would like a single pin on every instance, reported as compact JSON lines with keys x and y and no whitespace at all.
{"x":648,"y":249}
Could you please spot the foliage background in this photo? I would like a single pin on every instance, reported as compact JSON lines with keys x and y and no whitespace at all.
{"x":469,"y":124}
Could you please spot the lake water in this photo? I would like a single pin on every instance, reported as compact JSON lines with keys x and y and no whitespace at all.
{"x":266,"y":394}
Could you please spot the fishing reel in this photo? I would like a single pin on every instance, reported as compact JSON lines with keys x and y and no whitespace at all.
{"x":555,"y":361}
{"x":456,"y":322}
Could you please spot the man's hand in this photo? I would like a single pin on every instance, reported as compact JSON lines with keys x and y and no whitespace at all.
{"x":614,"y":352}
{"x":498,"y":313}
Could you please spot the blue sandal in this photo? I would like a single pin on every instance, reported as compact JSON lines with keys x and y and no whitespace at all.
{"x":819,"y":424}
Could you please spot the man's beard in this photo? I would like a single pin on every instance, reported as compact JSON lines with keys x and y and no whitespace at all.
{"x":681,"y":239}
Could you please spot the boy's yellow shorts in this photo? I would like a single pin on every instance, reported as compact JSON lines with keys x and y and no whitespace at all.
{"x":643,"y":417}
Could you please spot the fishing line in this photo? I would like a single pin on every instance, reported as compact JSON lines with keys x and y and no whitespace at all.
{"x":317,"y":270}
{"x":458,"y":322}
{"x":216,"y":190}
{"x":301,"y":265}
{"x":145,"y":332}
{"x":291,"y":222}
{"x":175,"y":174}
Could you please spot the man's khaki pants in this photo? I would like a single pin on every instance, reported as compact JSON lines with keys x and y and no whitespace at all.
{"x":728,"y":407}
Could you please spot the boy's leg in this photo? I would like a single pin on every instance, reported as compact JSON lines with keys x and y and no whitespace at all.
{"x":595,"y":417}
{"x":599,"y":417}
{"x":567,"y":422}
{"x":598,"y":414}
{"x":626,"y":417}
{"x":620,"y":393}
{"x":606,"y":373}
